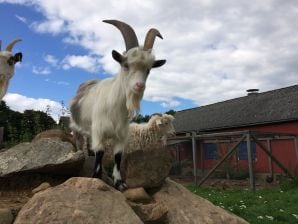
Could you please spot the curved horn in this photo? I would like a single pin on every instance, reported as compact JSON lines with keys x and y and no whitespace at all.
{"x":11,"y":44}
{"x":127,"y":31}
{"x":150,"y":37}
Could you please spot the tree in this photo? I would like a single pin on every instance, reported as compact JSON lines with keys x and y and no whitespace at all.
{"x":171,"y":112}
{"x":146,"y":118}
{"x":19,"y":127}
{"x":141,"y":118}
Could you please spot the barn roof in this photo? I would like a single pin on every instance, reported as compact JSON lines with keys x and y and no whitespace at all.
{"x":274,"y":106}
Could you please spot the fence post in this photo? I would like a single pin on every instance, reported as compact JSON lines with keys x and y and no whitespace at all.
{"x":250,"y":164}
{"x":269,"y":159}
{"x":194,"y":157}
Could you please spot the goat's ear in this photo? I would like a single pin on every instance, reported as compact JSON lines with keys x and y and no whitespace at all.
{"x":158,"y":63}
{"x":117,"y":56}
{"x":18,"y":57}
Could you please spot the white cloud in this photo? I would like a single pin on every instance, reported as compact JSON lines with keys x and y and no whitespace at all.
{"x":52,"y":60}
{"x":53,"y":26}
{"x":41,"y":70}
{"x":22,"y":19}
{"x":170,"y":104}
{"x":21,"y":103}
{"x":215,"y":50}
{"x":85,"y":62}
{"x":63,"y":83}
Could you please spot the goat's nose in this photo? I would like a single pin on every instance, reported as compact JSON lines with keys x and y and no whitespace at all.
{"x":140,"y":85}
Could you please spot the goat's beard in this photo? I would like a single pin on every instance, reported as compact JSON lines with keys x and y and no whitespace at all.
{"x":3,"y":88}
{"x":133,"y":103}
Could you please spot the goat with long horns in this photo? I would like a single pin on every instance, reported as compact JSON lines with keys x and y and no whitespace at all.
{"x":102,"y":109}
{"x":7,"y":62}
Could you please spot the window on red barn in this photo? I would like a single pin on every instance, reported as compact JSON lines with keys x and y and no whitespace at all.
{"x":242,"y":151}
{"x":210,"y":151}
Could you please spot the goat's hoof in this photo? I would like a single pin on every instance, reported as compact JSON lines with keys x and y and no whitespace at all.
{"x":120,"y":185}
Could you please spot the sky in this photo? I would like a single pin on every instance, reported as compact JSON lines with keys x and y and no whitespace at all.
{"x":215,"y":50}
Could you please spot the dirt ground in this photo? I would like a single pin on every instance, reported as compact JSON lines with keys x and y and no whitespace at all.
{"x":16,"y":191}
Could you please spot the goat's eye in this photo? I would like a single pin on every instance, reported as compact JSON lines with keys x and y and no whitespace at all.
{"x":125,"y":66}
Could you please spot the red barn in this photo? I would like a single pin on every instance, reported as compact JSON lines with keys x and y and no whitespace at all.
{"x":272,"y":117}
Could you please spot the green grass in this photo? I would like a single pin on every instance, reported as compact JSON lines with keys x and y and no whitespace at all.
{"x":264,"y":206}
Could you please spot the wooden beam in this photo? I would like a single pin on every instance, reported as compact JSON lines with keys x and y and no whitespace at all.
{"x":226,"y":156}
{"x":296,"y":147}
{"x":194,"y":158}
{"x":273,"y":157}
{"x":269,"y":158}
{"x":250,"y":164}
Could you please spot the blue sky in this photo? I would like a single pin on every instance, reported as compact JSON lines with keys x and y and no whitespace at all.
{"x":214,"y":50}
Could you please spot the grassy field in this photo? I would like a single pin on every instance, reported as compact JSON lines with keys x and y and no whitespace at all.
{"x":264,"y":206}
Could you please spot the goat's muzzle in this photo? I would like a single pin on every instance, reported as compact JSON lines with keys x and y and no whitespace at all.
{"x":139,"y":87}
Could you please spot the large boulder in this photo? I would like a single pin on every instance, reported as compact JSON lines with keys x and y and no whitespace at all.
{"x":147,"y":167}
{"x":78,"y":200}
{"x":185,"y":207}
{"x":43,"y":156}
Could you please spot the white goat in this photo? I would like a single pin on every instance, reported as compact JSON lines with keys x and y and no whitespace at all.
{"x":102,"y":109}
{"x":7,"y":62}
{"x":142,"y":136}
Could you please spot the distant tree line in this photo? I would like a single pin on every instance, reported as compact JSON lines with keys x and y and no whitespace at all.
{"x":22,"y":127}
{"x":145,"y":118}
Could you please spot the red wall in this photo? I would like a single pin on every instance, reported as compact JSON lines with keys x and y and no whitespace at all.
{"x":283,"y":150}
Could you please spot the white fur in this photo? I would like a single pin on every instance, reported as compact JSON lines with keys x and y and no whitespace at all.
{"x":145,"y":134}
{"x":141,"y":136}
{"x":6,"y":72}
{"x":107,"y":107}
{"x":116,"y":174}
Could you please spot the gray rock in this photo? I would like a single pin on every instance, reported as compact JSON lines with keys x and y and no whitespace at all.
{"x":79,"y":200}
{"x":137,"y":195}
{"x":41,"y":187}
{"x":185,"y":207}
{"x":152,"y":213}
{"x":147,"y":168}
{"x":45,"y":155}
{"x":56,"y":134}
{"x":6,"y":216}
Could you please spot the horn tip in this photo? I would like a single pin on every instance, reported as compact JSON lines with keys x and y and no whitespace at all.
{"x":109,"y":20}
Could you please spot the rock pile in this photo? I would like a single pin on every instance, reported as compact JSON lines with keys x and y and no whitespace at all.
{"x":87,"y":200}
{"x":151,"y":197}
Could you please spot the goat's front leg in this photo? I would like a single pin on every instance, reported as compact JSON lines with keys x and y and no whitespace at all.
{"x":97,"y":172}
{"x":119,"y":184}
{"x":98,"y":149}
